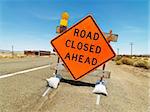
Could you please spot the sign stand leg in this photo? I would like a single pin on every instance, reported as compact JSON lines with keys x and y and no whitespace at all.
{"x":98,"y":99}
{"x":46,"y":91}
{"x":58,"y":59}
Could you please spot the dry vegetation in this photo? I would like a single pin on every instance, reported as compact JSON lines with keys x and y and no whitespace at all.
{"x":9,"y":55}
{"x":143,"y":62}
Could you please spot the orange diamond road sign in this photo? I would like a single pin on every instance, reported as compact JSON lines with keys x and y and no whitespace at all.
{"x":83,"y":47}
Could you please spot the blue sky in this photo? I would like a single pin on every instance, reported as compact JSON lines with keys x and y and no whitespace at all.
{"x":31,"y":24}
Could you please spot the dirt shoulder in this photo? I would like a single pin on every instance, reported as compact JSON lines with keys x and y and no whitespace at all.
{"x":127,"y":91}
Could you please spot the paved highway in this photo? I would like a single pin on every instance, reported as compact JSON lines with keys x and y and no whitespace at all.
{"x":128,"y":89}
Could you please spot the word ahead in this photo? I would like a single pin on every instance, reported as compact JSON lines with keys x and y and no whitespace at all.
{"x":83,"y":47}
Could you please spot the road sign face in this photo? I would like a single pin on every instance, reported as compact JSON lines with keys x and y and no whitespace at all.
{"x":83,"y":47}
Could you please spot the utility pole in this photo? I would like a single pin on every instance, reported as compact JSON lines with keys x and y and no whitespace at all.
{"x":117,"y":51}
{"x":12,"y":51}
{"x":131,"y":44}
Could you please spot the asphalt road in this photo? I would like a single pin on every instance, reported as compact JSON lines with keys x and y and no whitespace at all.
{"x":18,"y":64}
{"x":128,"y":90}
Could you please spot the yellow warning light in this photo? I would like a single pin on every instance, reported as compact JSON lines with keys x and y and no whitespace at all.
{"x":65,"y":15}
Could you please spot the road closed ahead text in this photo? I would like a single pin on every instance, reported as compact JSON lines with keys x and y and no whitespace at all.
{"x":83,"y":46}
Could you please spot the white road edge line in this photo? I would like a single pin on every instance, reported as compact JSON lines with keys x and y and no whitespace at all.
{"x":46,"y":91}
{"x":98,"y":99}
{"x":24,"y":71}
